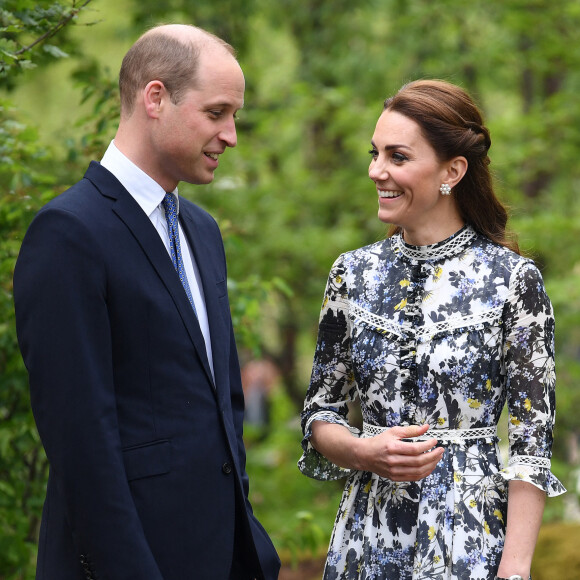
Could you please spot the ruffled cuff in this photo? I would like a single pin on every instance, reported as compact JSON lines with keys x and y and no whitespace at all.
{"x":534,"y":470}
{"x":312,"y":463}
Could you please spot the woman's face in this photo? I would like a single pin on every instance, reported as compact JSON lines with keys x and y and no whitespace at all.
{"x":408,"y":174}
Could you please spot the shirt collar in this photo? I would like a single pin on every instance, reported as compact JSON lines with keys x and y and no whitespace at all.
{"x":145,"y":190}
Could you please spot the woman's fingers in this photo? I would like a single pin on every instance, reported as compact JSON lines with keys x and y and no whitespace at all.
{"x":404,"y":460}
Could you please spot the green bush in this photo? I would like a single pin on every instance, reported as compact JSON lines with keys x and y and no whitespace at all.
{"x":557,"y":554}
{"x":298,"y":512}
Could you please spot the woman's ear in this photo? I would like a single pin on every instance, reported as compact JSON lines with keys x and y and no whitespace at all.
{"x":456,"y":169}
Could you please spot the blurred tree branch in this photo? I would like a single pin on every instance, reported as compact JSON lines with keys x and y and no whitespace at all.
{"x":25,"y":26}
{"x":58,"y":26}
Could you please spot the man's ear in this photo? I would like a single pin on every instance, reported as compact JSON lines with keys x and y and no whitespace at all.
{"x":154,"y":95}
{"x":456,"y":169}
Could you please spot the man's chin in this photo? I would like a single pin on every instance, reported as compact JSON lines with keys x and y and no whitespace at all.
{"x":199,"y":179}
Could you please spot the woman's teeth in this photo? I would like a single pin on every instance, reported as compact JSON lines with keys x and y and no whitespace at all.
{"x":387,"y":193}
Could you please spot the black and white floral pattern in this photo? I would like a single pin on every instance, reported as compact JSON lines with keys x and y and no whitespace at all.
{"x":445,"y":335}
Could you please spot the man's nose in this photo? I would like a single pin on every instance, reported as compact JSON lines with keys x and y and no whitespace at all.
{"x":228,"y":133}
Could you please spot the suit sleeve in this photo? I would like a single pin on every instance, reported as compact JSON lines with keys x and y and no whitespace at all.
{"x":60,"y":293}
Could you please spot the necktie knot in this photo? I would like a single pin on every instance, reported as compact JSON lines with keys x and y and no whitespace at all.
{"x":170,"y":207}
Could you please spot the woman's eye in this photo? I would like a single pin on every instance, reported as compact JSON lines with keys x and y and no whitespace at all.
{"x":374,"y":153}
{"x":399,"y":157}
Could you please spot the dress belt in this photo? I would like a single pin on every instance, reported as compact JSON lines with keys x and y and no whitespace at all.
{"x":442,"y":435}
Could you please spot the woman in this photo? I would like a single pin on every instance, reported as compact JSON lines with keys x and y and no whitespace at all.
{"x":431,"y":331}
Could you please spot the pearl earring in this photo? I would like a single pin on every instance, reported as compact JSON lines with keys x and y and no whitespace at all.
{"x":445,"y":189}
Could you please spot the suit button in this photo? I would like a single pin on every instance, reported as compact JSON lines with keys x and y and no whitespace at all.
{"x":227,"y":468}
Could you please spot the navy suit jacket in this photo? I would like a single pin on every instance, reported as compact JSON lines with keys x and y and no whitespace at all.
{"x":147,"y":462}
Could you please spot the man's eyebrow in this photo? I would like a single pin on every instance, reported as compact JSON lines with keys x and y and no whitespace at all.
{"x":223,"y":105}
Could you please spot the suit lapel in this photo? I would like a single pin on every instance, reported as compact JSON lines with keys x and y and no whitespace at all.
{"x":128,"y":210}
{"x":206,"y":249}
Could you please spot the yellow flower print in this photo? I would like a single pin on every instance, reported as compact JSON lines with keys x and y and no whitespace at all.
{"x":437,"y":273}
{"x":527,"y":405}
{"x":472,"y":503}
{"x":338,"y":280}
{"x":431,"y":533}
{"x":488,"y":384}
{"x":456,"y":477}
{"x":404,"y":283}
{"x":473,"y":404}
{"x":441,"y":421}
{"x":498,"y":515}
{"x":486,"y":527}
{"x":514,"y":420}
{"x":401,"y":304}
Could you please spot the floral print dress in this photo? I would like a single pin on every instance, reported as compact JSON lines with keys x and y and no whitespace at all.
{"x":441,"y":334}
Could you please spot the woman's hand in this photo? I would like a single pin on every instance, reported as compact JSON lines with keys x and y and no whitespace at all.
{"x":384,"y":454}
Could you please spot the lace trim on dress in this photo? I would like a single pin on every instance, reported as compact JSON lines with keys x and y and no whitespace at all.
{"x":379,"y":323}
{"x":383,"y":325}
{"x":328,"y":417}
{"x":489,"y":316}
{"x":450,"y":247}
{"x":442,"y":435}
{"x":530,"y":460}
{"x":534,"y":470}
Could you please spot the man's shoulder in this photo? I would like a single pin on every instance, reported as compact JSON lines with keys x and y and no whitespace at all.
{"x":85,"y":195}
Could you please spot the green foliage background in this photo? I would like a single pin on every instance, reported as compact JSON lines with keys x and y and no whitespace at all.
{"x":295,"y":192}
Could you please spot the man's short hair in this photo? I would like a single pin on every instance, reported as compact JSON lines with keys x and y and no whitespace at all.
{"x":158,"y":55}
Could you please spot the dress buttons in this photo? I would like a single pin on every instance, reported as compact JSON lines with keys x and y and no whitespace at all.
{"x":227,"y":468}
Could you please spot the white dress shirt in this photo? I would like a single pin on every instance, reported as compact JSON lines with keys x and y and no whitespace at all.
{"x":149,"y":195}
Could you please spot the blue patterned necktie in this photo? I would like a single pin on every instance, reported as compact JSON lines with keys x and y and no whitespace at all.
{"x":173,"y":230}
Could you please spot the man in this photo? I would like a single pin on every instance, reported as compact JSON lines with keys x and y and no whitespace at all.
{"x":123,"y":322}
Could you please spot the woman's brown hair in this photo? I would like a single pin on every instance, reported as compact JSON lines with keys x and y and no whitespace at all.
{"x":453,"y":125}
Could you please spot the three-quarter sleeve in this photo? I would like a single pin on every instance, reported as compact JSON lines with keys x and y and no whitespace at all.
{"x":332,"y":384}
{"x":528,"y":355}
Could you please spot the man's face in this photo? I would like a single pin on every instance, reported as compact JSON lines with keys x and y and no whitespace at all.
{"x":189,"y":137}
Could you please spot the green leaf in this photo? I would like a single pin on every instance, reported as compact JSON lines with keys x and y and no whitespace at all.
{"x":54,"y":51}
